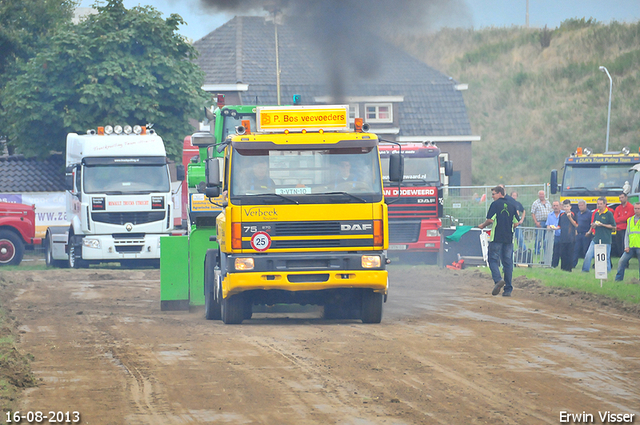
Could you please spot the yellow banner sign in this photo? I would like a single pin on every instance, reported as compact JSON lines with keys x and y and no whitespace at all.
{"x":200,"y":203}
{"x":297,"y":118}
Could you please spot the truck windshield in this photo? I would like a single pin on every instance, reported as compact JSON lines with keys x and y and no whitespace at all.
{"x":305,"y":176}
{"x":231,"y":122}
{"x":124,"y":179}
{"x":418,"y":170}
{"x":595,"y":179}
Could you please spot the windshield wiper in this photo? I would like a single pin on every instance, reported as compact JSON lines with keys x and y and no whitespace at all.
{"x":113,"y":192}
{"x":293,"y":201}
{"x":345,"y":193}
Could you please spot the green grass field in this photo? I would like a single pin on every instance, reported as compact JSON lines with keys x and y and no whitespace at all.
{"x":627,"y":290}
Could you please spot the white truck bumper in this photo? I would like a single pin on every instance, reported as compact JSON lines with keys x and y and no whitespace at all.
{"x":106,"y":247}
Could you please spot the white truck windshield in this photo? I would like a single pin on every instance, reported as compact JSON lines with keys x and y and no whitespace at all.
{"x":123,"y":179}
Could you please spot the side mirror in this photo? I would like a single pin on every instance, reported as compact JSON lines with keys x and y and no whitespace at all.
{"x":203,"y":138}
{"x":554,"y":182}
{"x":396,"y":168}
{"x":448,"y":168}
{"x":68,"y":178}
{"x":180,"y":172}
{"x":212,"y":192}
{"x":213,"y":172}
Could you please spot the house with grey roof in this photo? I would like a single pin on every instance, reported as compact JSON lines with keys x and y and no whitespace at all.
{"x":402,"y":99}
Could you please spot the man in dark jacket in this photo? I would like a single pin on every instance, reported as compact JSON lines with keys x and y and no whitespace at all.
{"x":503,"y":215}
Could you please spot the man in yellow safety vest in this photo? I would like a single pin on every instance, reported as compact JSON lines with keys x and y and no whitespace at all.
{"x":631,"y":241}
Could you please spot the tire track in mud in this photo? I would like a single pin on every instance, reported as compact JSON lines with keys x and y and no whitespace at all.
{"x":147,"y":398}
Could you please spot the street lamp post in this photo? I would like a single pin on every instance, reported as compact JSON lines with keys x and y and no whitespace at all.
{"x":605,"y":70}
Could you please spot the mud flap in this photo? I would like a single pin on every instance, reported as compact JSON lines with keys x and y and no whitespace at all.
{"x":174,"y":273}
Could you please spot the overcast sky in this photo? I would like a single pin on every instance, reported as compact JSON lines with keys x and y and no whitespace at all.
{"x":479,"y":13}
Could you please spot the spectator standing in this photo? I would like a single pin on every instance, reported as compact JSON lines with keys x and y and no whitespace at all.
{"x":583,"y":235}
{"x":602,"y":226}
{"x":621,"y":215}
{"x":631,"y":242}
{"x":553,"y":222}
{"x":567,"y":238}
{"x":540,"y":210}
{"x":503,"y":216}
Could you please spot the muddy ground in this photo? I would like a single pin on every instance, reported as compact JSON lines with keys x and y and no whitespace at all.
{"x":447,"y":352}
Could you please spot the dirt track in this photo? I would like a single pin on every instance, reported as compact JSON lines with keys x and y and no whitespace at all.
{"x":447,"y":352}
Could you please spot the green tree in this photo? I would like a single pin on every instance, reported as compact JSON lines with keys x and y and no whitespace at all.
{"x":25,"y":26}
{"x":119,"y":66}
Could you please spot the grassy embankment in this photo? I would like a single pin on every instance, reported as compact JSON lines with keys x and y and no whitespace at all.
{"x":535,"y":95}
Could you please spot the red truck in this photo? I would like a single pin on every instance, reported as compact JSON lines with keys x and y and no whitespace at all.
{"x":17,"y":232}
{"x":414,"y":216}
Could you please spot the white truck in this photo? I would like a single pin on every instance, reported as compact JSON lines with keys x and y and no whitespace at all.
{"x":118,"y":199}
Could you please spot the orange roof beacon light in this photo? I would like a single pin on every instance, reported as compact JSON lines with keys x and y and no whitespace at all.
{"x":220,"y":100}
{"x":357,"y":125}
{"x":579,"y":151}
{"x":247,"y":126}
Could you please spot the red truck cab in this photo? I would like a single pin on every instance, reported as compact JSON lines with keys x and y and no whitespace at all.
{"x":17,"y":231}
{"x":416,"y":206}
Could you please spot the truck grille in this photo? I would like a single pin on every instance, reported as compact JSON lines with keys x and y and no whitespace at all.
{"x":415,"y":210}
{"x":403,"y":231}
{"x":307,"y":228}
{"x":137,"y":217}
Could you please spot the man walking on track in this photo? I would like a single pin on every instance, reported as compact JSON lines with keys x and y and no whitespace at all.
{"x":503,"y":215}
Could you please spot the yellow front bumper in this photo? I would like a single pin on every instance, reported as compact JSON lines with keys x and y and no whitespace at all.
{"x":235,"y":283}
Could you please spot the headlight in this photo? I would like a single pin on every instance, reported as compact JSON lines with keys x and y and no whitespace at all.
{"x":137,"y":129}
{"x":371,"y":261}
{"x":117,"y":129}
{"x":91,"y":243}
{"x":108,"y":129}
{"x":127,"y":129}
{"x":432,"y":233}
{"x":244,"y":263}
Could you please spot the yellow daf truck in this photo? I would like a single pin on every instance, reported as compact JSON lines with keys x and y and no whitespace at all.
{"x":303,"y":219}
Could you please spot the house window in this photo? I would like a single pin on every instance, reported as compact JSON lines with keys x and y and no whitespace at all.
{"x":353,"y":112}
{"x":381,"y":113}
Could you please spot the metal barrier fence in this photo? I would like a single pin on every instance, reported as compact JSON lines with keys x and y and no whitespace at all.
{"x":469,"y":204}
{"x":533,"y":246}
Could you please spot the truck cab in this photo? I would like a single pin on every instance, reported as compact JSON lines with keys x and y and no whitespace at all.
{"x":415,"y":204}
{"x":17,"y":232}
{"x":118,"y":199}
{"x":588,"y":176}
{"x":303,"y":218}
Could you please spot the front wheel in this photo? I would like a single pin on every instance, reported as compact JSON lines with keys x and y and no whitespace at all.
{"x":372,"y":306}
{"x":211,"y":302}
{"x":233,"y":309}
{"x":11,"y":248}
{"x":75,"y":256}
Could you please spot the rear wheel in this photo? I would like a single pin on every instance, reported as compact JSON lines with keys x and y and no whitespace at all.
{"x":372,"y":306}
{"x":11,"y":248}
{"x":211,"y":302}
{"x":233,"y":309}
{"x":48,"y":253}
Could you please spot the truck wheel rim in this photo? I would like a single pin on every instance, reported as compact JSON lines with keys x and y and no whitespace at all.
{"x":7,"y":251}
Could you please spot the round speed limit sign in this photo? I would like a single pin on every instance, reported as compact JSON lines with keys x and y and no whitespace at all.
{"x":260,"y":241}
